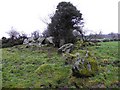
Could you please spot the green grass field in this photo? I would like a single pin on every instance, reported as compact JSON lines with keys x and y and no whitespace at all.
{"x":21,"y":68}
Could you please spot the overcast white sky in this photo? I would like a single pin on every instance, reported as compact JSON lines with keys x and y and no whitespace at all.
{"x":25,"y":15}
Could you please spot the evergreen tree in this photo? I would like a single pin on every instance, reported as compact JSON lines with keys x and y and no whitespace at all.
{"x":63,"y":22}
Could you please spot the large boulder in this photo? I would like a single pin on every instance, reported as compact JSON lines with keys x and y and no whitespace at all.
{"x":49,"y":40}
{"x":29,"y":40}
{"x":70,"y":58}
{"x":66,"y":48}
{"x":25,"y":41}
{"x":41,"y":40}
{"x":76,"y":33}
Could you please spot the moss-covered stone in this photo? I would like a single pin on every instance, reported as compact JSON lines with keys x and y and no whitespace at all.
{"x":86,"y":66}
{"x":79,"y":44}
{"x":70,"y":58}
{"x":83,"y":63}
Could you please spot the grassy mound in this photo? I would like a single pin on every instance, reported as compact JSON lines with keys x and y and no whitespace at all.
{"x":53,"y":76}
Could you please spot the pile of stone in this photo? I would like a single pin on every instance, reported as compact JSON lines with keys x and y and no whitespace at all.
{"x":82,"y":66}
{"x":39,"y":42}
{"x":85,"y":66}
{"x":66,"y":48}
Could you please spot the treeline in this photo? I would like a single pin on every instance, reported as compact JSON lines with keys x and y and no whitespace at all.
{"x":103,"y":37}
{"x":17,"y":39}
{"x":9,"y":42}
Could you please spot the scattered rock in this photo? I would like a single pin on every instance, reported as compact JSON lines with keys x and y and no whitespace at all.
{"x":29,"y":41}
{"x":84,"y":67}
{"x":70,"y":58}
{"x":101,"y":86}
{"x":66,"y":48}
{"x":115,"y":84}
{"x":25,"y":41}
{"x":49,"y":40}
{"x":39,"y":42}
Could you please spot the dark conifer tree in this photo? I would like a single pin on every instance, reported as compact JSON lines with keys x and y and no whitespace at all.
{"x":63,"y":22}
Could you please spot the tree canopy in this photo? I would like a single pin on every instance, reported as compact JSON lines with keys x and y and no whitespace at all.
{"x":63,"y":22}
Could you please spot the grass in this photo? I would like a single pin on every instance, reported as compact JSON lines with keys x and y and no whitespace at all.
{"x":19,"y":65}
{"x":40,"y":67}
{"x":108,"y":50}
{"x":107,"y":56}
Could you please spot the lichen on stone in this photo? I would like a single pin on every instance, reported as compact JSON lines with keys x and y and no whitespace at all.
{"x":86,"y":66}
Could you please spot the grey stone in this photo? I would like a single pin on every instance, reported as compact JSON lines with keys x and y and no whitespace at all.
{"x":66,"y":48}
{"x":85,"y":66}
{"x":41,"y":40}
{"x":49,"y":40}
{"x":25,"y":41}
{"x":76,"y":33}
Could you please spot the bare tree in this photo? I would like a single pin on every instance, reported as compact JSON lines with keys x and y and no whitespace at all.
{"x":23,"y":35}
{"x":36,"y":34}
{"x":79,"y":32}
{"x":113,"y":35}
{"x":91,"y":36}
{"x":13,"y":33}
{"x":47,"y":19}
